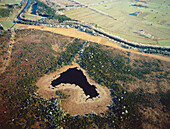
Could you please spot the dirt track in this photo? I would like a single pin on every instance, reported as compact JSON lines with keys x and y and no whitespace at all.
{"x":82,"y":35}
{"x":76,"y":103}
{"x":7,"y":61}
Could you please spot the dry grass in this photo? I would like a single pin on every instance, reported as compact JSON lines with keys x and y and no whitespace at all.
{"x":155,"y":116}
{"x":82,"y":35}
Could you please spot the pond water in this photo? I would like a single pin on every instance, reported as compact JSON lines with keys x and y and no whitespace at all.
{"x":135,"y":13}
{"x":34,"y":9}
{"x":75,"y":76}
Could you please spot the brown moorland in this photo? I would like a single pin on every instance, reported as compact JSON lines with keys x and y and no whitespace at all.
{"x":32,"y":59}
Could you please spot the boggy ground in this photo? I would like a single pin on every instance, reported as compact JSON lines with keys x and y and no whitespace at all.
{"x":29,"y":60}
{"x":76,"y":103}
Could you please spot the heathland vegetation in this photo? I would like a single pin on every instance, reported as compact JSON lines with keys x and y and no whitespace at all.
{"x":139,"y":85}
{"x":136,"y":83}
{"x":31,"y":60}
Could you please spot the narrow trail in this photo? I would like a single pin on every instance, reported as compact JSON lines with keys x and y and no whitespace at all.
{"x":9,"y":51}
{"x":79,"y":54}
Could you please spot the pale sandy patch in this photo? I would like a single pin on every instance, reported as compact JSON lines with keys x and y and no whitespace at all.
{"x":76,"y":103}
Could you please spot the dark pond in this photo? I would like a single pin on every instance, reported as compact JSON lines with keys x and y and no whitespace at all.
{"x":34,"y":9}
{"x":43,"y":15}
{"x":75,"y":76}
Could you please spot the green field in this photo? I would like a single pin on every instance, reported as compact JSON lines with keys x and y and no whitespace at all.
{"x":10,"y":2}
{"x":113,"y":17}
{"x":88,"y":2}
{"x":7,"y":20}
{"x":7,"y":24}
{"x":29,"y":16}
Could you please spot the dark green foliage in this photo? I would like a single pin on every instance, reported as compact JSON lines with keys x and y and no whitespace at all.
{"x":76,"y":122}
{"x":53,"y":114}
{"x":61,"y":18}
{"x":124,"y":109}
{"x":69,"y":55}
{"x":5,"y":12}
{"x":61,"y":9}
{"x":44,"y":9}
{"x":69,"y":5}
{"x":104,"y":68}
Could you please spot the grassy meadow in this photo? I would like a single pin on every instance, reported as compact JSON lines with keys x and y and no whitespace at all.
{"x":150,"y":26}
{"x":7,"y":24}
{"x":7,"y":20}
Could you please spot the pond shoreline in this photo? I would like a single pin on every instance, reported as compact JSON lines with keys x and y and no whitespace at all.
{"x":75,"y":76}
{"x":76,"y":103}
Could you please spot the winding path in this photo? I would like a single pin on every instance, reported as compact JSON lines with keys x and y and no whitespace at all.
{"x":7,"y":61}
